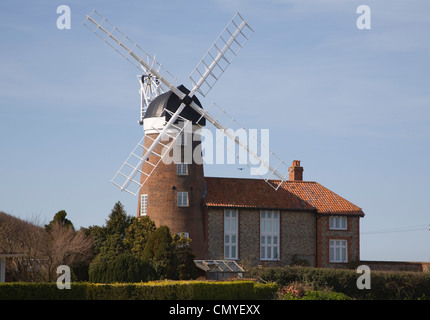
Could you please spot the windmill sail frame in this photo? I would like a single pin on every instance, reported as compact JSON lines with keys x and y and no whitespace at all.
{"x":204,"y":76}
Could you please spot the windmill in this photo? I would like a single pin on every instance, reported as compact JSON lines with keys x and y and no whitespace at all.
{"x":167,"y":111}
{"x":156,"y":80}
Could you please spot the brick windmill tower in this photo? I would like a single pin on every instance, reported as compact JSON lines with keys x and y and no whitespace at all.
{"x":170,"y":188}
{"x":173,"y":195}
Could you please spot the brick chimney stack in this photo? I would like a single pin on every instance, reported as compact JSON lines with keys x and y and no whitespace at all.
{"x":296,"y":171}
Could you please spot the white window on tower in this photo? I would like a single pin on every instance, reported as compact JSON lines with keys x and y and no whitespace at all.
{"x":182,"y":199}
{"x":338,"y":251}
{"x":269,"y":234}
{"x":182,"y":169}
{"x":231,"y":218}
{"x":184,"y":234}
{"x":143,"y":204}
{"x":337,"y":223}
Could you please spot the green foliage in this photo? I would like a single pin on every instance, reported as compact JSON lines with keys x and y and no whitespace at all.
{"x":129,"y":244}
{"x":40,"y":291}
{"x":317,"y":295}
{"x":160,"y":290}
{"x":98,"y":235}
{"x":60,"y":219}
{"x":224,"y":290}
{"x":136,"y":234}
{"x":265,"y":291}
{"x":124,"y":268}
{"x":115,"y":232}
{"x":159,"y":246}
{"x":183,"y":259}
{"x":171,"y":256}
{"x":384,"y":285}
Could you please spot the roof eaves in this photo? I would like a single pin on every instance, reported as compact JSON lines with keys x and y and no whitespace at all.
{"x":217,"y":205}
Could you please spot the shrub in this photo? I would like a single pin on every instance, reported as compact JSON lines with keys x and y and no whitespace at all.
{"x":226,"y":290}
{"x":317,"y":295}
{"x":322,"y":295}
{"x":266,"y":291}
{"x":124,"y":268}
{"x":384,"y":285}
{"x":40,"y":291}
{"x":157,"y":290}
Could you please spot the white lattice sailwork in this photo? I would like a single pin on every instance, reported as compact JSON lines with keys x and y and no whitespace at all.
{"x":220,"y":54}
{"x":127,"y":48}
{"x":133,"y":174}
{"x":260,"y":160}
{"x":203,"y":78}
{"x":151,"y":86}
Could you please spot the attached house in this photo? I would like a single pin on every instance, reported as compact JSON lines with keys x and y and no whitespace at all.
{"x":301,"y":222}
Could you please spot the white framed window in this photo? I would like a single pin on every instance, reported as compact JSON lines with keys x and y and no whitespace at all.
{"x":269,"y":234}
{"x":182,"y":199}
{"x":337,"y":223}
{"x":182,"y":169}
{"x":143,"y":204}
{"x":184,"y":234}
{"x":338,"y":250}
{"x":231,"y":222}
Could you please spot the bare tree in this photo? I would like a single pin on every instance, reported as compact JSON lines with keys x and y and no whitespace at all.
{"x":24,"y":238}
{"x":64,"y":246}
{"x":42,"y":250}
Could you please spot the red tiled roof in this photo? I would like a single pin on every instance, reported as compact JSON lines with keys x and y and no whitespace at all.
{"x":292,"y":195}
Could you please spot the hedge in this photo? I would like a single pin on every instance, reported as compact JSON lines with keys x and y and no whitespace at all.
{"x":318,"y":295}
{"x":385,"y":285}
{"x":159,"y":290}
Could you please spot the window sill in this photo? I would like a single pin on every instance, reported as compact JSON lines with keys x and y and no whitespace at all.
{"x":270,"y":259}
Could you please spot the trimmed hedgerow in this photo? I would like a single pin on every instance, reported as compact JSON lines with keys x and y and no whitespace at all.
{"x":318,"y":295}
{"x":385,"y":285}
{"x":40,"y":291}
{"x":159,"y":290}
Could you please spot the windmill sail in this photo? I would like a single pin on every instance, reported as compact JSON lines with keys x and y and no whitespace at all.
{"x":126,"y":179}
{"x":213,"y":64}
{"x":129,"y":49}
{"x":263,"y":163}
{"x":126,"y":47}
{"x":151,"y":87}
{"x":220,"y":54}
{"x":203,"y":78}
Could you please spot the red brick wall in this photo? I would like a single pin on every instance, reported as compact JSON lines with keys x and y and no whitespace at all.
{"x":324,"y":235}
{"x":397,"y":266}
{"x":162,"y":188}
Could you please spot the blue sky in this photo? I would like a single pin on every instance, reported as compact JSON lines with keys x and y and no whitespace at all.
{"x":353,"y":105}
